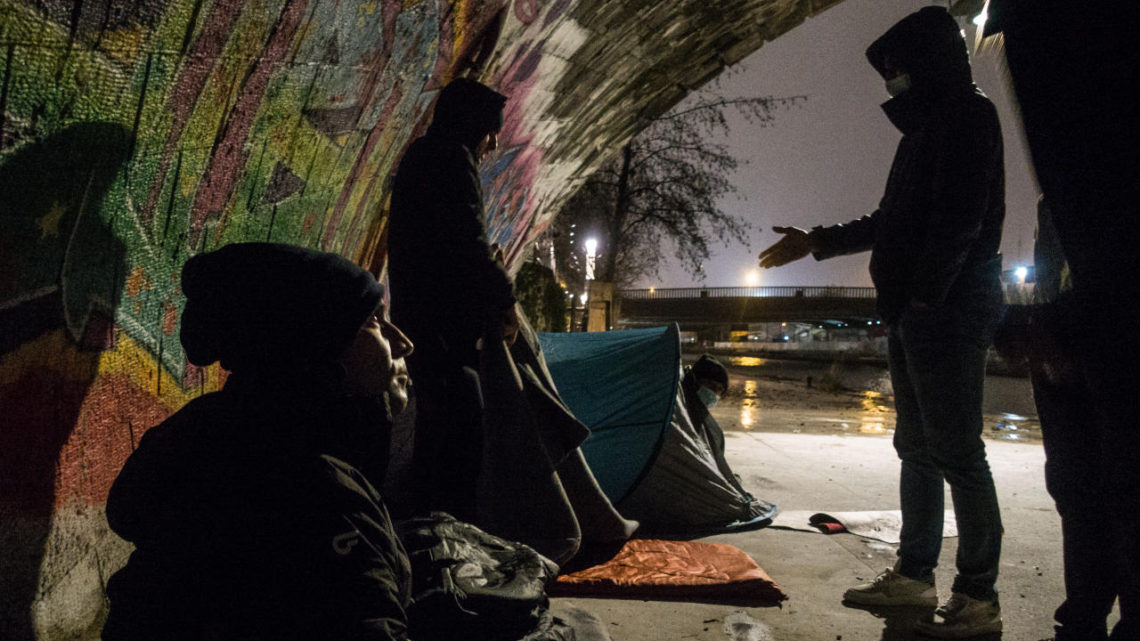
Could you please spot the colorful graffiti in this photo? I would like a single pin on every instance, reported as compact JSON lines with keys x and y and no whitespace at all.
{"x":134,"y":135}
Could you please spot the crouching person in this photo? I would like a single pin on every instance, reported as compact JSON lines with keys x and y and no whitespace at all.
{"x":252,"y":510}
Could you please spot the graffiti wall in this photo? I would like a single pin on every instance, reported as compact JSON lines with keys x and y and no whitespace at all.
{"x":137,"y":133}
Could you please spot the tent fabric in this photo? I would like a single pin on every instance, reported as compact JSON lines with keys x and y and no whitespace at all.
{"x":651,"y":568}
{"x":623,"y":386}
{"x":685,"y":489}
{"x":648,"y":457}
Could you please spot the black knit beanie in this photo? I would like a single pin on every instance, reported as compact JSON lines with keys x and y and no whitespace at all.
{"x":710,"y":368}
{"x":272,"y":308}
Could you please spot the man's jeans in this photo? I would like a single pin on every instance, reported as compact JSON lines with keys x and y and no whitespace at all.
{"x":937,"y":363}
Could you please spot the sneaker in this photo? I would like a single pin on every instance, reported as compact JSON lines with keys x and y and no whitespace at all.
{"x":963,"y":616}
{"x":892,"y":588}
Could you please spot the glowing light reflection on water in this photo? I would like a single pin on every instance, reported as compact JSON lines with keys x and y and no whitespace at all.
{"x":748,"y":404}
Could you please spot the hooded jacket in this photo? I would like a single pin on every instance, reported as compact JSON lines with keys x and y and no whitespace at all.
{"x":935,"y":236}
{"x":443,"y":277}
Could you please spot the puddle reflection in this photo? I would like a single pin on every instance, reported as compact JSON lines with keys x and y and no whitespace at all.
{"x":872,"y":428}
{"x":748,"y":404}
{"x":746,"y":361}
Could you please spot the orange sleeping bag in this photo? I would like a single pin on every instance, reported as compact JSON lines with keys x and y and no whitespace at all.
{"x":650,"y":568}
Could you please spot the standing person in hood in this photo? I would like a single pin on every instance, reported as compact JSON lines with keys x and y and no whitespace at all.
{"x":252,"y":510}
{"x":934,"y":260}
{"x":448,"y":287}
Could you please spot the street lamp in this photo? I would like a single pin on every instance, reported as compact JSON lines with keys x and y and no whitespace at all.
{"x":591,"y":254}
{"x":980,"y":19}
{"x":752,"y":278}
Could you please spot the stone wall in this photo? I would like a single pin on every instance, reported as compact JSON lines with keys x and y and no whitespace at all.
{"x":136,"y":133}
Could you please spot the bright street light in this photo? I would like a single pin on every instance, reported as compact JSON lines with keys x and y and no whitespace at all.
{"x":752,"y":278}
{"x":1020,"y":273}
{"x":980,"y":19}
{"x":591,"y":254}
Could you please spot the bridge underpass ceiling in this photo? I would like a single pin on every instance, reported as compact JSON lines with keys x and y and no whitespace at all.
{"x":583,"y":84}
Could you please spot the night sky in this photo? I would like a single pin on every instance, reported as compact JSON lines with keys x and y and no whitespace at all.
{"x":826,"y":161}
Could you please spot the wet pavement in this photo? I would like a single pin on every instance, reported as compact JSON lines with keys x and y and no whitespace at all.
{"x":769,"y":395}
{"x":823,"y":451}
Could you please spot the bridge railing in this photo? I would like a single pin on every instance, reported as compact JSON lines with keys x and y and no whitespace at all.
{"x":746,"y":292}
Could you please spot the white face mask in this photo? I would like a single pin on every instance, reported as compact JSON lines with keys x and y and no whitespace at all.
{"x":707,"y":396}
{"x":898,"y":84}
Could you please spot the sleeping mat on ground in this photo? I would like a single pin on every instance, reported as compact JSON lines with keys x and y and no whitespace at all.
{"x":656,"y":569}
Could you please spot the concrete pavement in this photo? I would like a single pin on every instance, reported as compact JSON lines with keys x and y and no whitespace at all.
{"x":832,"y":472}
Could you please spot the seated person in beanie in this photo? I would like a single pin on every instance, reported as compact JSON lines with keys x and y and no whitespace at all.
{"x":253,"y":510}
{"x":707,"y":381}
{"x":703,"y":384}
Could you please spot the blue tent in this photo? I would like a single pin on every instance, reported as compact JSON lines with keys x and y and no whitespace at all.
{"x":648,"y":457}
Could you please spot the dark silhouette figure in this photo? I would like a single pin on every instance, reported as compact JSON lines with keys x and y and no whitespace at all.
{"x":448,"y":287}
{"x":1075,"y":74}
{"x":253,"y":510}
{"x":62,"y":270}
{"x":934,"y":259}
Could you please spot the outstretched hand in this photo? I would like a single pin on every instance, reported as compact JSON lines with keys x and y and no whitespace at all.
{"x":793,"y":246}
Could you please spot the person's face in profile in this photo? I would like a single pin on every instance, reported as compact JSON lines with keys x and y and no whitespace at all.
{"x":374,"y":362}
{"x":486,"y":145}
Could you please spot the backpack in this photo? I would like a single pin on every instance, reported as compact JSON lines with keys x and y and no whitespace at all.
{"x":467,"y":584}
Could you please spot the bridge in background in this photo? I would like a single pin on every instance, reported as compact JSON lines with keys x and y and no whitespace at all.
{"x":703,"y":308}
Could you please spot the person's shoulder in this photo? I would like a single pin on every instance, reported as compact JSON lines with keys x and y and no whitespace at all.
{"x":970,"y":115}
{"x":340,"y":483}
{"x":198,"y":415}
{"x":436,"y":149}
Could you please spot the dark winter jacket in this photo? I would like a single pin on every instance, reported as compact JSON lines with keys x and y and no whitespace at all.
{"x":935,"y":237}
{"x":249,"y":522}
{"x":442,"y":274}
{"x":1075,"y":73}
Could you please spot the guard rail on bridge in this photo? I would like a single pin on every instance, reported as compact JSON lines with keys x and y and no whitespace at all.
{"x":741,"y":292}
{"x":708,"y":306}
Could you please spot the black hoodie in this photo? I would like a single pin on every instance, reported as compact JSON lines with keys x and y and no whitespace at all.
{"x":935,"y":237}
{"x":443,"y":277}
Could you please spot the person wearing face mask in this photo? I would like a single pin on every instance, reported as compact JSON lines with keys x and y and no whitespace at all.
{"x":708,"y":379}
{"x":253,"y":510}
{"x":703,"y":385}
{"x":934,"y":260}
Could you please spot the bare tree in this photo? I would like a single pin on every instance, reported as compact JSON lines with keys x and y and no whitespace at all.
{"x":661,"y":190}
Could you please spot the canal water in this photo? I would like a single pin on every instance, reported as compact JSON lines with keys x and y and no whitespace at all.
{"x":1008,"y":400}
{"x":1003,"y":394}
